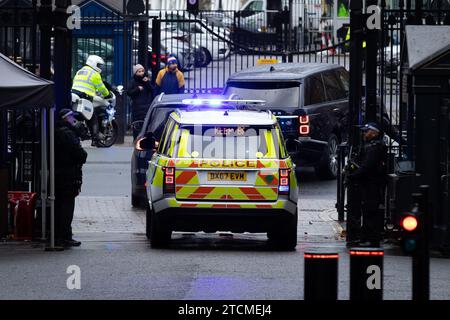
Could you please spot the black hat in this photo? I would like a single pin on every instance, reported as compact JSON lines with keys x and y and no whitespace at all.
{"x":63,"y":113}
{"x":372,"y":126}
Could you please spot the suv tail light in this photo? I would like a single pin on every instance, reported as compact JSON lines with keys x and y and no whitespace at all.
{"x":303,"y":128}
{"x":169,"y":180}
{"x":283,"y":187}
{"x":140,"y":148}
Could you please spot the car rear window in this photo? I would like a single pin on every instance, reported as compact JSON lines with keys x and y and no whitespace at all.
{"x":229,"y":142}
{"x":282,"y":94}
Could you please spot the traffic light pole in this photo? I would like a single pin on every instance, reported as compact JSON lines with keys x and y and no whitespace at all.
{"x":156,"y":47}
{"x":421,"y":258}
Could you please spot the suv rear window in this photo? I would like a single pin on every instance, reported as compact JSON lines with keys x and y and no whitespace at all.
{"x":229,"y":142}
{"x":282,"y":94}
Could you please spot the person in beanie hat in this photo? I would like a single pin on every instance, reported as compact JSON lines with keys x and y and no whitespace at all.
{"x":140,"y":91}
{"x":69,"y":159}
{"x":170,"y":80}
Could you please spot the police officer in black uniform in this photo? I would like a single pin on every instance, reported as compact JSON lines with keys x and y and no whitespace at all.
{"x":69,"y":159}
{"x":368,"y":171}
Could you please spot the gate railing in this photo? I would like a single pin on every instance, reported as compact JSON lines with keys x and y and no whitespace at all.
{"x":209,"y":52}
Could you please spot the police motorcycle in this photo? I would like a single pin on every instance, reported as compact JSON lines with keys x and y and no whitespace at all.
{"x":105,"y":109}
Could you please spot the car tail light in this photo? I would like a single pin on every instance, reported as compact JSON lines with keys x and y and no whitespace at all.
{"x":303,"y":128}
{"x":283,"y":187}
{"x":138,"y":144}
{"x":169,"y":180}
{"x":303,"y":119}
{"x":140,"y":148}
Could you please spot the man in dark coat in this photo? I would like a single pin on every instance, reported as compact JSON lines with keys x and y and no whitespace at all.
{"x":141,"y":93}
{"x":69,"y":159}
{"x":370,"y":174}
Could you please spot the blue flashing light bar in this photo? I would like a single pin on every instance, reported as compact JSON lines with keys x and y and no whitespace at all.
{"x":220,"y":102}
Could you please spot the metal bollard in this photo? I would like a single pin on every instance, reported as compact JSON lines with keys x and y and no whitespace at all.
{"x":321,"y":275}
{"x":366,"y":274}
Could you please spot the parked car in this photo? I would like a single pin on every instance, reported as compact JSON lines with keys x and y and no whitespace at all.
{"x":311,"y":103}
{"x":154,"y":122}
{"x":211,"y":44}
{"x":174,"y":44}
{"x":221,"y":19}
{"x":207,"y":40}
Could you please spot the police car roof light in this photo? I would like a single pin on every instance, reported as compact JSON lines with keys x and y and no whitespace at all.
{"x":221,"y":102}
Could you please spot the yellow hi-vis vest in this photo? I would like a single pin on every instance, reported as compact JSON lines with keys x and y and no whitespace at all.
{"x":347,"y":37}
{"x":89,"y":81}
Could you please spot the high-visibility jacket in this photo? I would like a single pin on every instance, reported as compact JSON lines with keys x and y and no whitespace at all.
{"x":347,"y":37}
{"x":89,"y":81}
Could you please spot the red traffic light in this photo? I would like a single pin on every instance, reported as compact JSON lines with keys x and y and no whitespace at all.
{"x":409,"y":223}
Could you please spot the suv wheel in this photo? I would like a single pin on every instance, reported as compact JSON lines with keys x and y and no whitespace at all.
{"x":136,"y":201}
{"x":328,"y":166}
{"x":285,"y":236}
{"x":160,"y":232}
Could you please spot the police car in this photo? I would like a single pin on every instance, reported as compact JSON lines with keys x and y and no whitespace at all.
{"x":220,"y":166}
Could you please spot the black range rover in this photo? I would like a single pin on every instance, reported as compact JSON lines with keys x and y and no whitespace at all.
{"x":311,"y":103}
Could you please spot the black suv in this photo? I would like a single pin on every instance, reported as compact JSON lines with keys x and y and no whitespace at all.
{"x":153,"y":125}
{"x":311,"y":103}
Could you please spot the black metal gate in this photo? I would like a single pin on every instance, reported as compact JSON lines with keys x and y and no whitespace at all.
{"x":212,"y":45}
{"x":19,"y":37}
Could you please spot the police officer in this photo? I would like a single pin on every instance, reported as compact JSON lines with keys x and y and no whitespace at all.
{"x":369,"y":173}
{"x":69,"y":159}
{"x":86,"y":83}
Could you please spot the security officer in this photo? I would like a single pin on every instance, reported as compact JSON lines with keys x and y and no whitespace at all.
{"x":69,"y":159}
{"x":86,"y":83}
{"x":369,"y":173}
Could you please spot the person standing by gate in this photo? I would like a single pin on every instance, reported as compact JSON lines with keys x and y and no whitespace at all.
{"x":170,"y":80}
{"x":69,"y":159}
{"x":370,"y":174}
{"x":140,"y":91}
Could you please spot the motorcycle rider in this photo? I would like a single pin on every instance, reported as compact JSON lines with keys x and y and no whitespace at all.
{"x":86,"y":84}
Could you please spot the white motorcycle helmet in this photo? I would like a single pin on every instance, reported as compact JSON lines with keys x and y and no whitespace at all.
{"x":95,"y":62}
